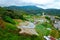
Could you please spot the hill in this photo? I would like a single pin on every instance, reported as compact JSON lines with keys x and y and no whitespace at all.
{"x":28,"y":9}
{"x":11,"y":17}
{"x":35,"y":10}
{"x":52,"y":11}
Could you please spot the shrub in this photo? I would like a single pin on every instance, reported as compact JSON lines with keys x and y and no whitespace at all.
{"x":47,"y":18}
{"x":8,"y":19}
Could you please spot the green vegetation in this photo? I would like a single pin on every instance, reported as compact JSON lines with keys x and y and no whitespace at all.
{"x":43,"y":31}
{"x":47,"y":18}
{"x":8,"y":19}
{"x":11,"y":32}
{"x":56,"y":17}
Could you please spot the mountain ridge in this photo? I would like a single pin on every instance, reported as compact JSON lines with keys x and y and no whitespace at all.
{"x":35,"y":10}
